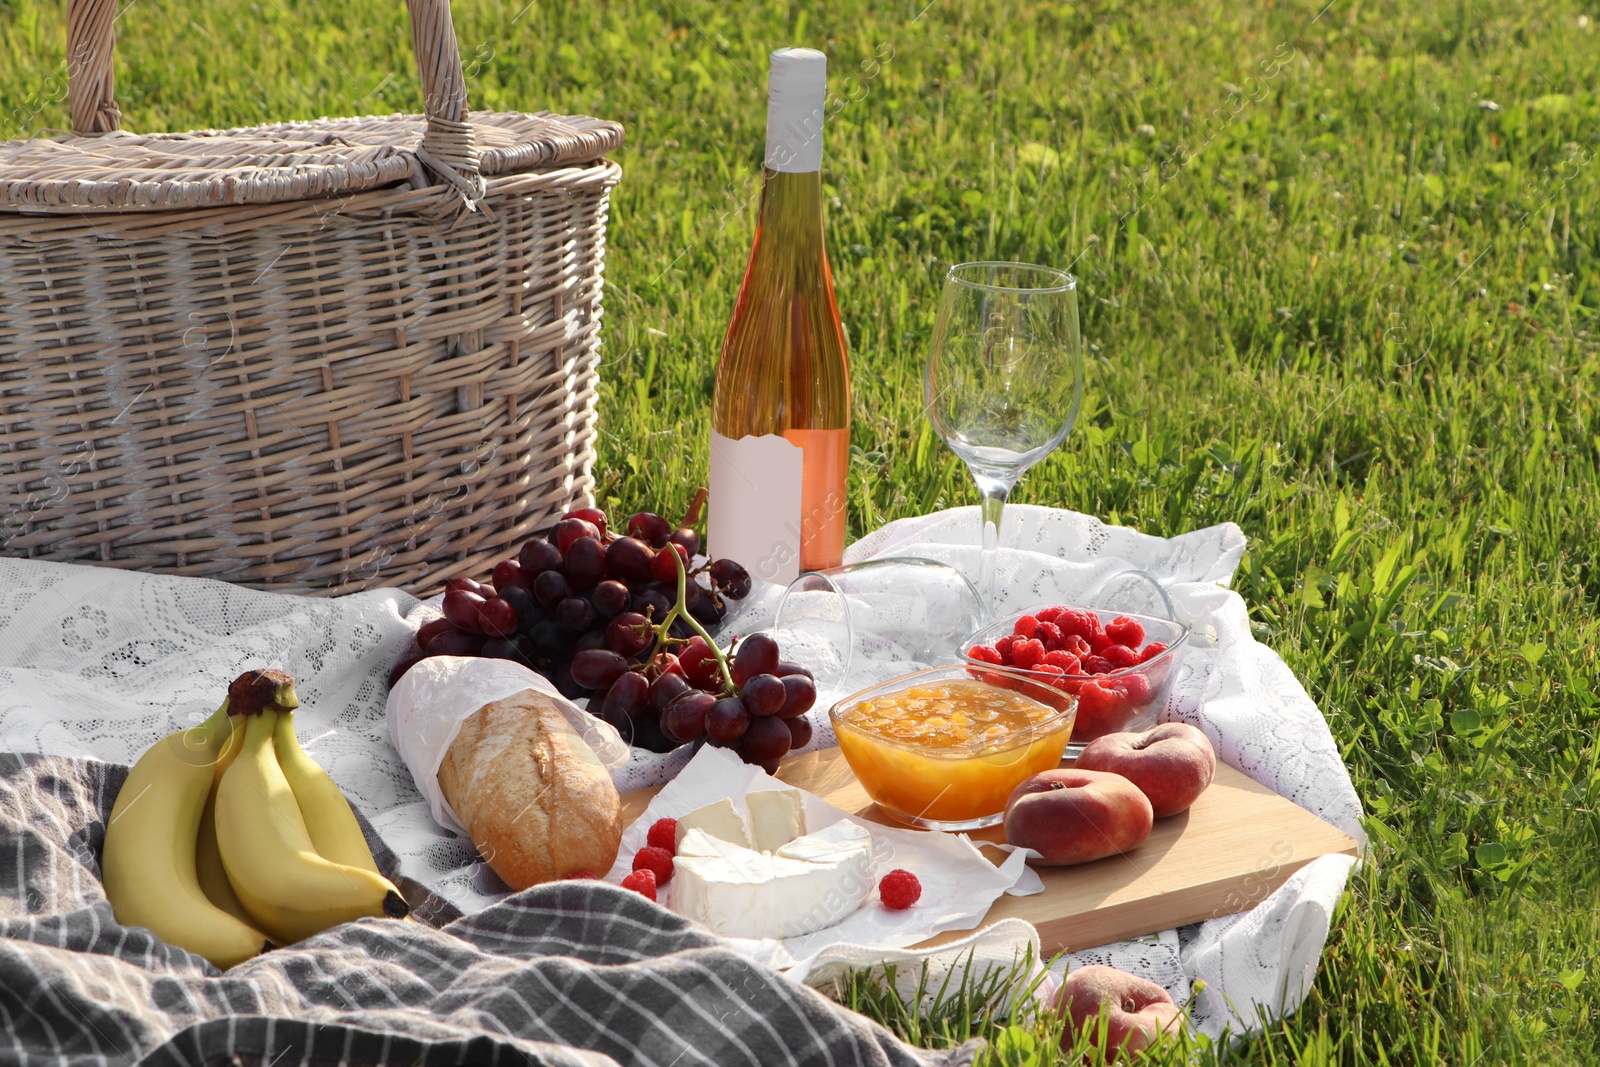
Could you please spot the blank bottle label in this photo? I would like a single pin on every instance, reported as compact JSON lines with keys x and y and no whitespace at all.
{"x":755,"y":504}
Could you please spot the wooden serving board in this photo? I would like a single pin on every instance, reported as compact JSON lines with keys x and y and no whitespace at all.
{"x":1238,"y":843}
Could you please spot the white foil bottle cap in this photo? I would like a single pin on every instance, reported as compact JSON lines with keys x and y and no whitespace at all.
{"x":797,"y":89}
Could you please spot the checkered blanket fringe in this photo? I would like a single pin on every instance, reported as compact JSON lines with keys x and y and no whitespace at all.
{"x":564,"y":974}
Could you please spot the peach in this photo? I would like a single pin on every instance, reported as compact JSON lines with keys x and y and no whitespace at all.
{"x":1073,"y":816}
{"x":1138,"y":1012}
{"x":1172,"y":764}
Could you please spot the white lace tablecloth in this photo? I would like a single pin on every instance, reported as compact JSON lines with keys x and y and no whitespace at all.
{"x":98,"y":662}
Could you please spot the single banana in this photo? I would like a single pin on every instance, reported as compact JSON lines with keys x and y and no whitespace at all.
{"x":253,"y":689}
{"x":285,"y":885}
{"x":333,"y":827}
{"x":207,"y":854}
{"x":148,"y":863}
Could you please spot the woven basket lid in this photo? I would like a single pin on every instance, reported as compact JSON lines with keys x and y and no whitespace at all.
{"x":290,"y":161}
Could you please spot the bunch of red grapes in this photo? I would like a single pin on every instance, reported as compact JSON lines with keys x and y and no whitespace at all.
{"x":752,"y":701}
{"x":622,"y":621}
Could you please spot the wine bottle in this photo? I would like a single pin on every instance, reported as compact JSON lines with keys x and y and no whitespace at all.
{"x":780,"y":421}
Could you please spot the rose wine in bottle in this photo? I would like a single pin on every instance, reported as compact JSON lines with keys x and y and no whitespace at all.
{"x":780,"y":422}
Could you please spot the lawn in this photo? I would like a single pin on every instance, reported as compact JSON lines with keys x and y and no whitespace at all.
{"x":1340,"y":286}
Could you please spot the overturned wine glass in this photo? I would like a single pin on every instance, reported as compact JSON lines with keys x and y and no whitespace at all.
{"x":861,"y":623}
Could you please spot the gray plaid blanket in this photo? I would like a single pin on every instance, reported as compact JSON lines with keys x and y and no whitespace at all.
{"x":564,"y":974}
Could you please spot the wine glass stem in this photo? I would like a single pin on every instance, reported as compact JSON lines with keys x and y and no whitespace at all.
{"x":994,"y":501}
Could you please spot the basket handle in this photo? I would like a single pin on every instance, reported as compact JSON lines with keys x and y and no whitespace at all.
{"x":447,"y":143}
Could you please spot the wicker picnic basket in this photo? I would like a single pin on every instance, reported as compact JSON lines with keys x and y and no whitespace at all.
{"x":311,"y":357}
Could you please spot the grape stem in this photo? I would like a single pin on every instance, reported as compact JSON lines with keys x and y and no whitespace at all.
{"x":678,"y":611}
{"x":692,"y":516}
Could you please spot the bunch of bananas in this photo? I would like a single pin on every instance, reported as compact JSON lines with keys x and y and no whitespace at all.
{"x":227,"y":838}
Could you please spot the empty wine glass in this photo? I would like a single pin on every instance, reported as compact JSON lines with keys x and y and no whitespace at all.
{"x":1004,"y":379}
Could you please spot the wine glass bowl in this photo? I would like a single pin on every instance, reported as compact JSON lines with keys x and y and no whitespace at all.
{"x":1004,"y":379}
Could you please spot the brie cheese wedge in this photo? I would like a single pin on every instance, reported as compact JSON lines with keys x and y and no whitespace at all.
{"x":717,"y":819}
{"x":773,"y":818}
{"x":807,"y":885}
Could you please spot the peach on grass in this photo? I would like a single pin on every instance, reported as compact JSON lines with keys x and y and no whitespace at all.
{"x":1137,"y":1012}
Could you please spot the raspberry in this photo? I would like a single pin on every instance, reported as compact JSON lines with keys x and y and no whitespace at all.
{"x":899,"y":889}
{"x":1137,"y":686}
{"x":1052,"y":615}
{"x":1125,"y":631}
{"x":1050,"y":634}
{"x":1096,"y":665}
{"x":1004,"y":646}
{"x":1068,"y":663}
{"x":1120,"y":656}
{"x":1048,"y":668}
{"x":1025,"y":626}
{"x":1075,"y":644}
{"x":984,"y":654}
{"x":664,"y":835}
{"x":658,"y":861}
{"x":1151,"y":651}
{"x":1025,"y":654}
{"x":1099,"y":642}
{"x":641,"y":882}
{"x":1080,"y":621}
{"x":582,"y":874}
{"x":1101,"y":711}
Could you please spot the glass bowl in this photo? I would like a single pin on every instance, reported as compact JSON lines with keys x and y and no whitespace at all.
{"x":1128,"y":698}
{"x":943,"y":748}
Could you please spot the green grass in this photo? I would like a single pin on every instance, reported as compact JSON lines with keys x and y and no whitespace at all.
{"x":1331,"y":294}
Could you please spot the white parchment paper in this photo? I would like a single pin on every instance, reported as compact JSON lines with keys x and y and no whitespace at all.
{"x":427,"y":706}
{"x":958,"y":882}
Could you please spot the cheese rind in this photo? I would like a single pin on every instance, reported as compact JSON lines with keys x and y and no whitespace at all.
{"x":809,"y":884}
{"x":717,"y":819}
{"x":844,"y":850}
{"x":833,"y":842}
{"x":774,"y":817}
{"x":697,"y":844}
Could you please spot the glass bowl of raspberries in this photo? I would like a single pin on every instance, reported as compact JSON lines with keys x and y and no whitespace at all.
{"x":1115,"y":663}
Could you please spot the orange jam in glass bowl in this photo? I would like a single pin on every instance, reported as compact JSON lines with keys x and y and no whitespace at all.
{"x":942,"y":749}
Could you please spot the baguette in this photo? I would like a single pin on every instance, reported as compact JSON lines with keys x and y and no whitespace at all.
{"x":537,"y":802}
